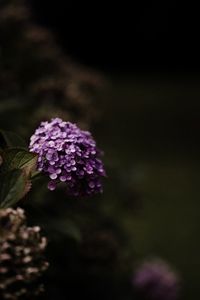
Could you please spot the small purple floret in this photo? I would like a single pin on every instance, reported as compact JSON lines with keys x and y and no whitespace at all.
{"x":68,"y":154}
{"x":155,"y":280}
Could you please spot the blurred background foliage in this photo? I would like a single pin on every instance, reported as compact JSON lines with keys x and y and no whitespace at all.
{"x":147,"y":123}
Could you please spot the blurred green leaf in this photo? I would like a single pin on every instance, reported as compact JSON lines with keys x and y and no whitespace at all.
{"x":10,"y":139}
{"x":67,"y":228}
{"x":10,"y":104}
{"x":17,"y":158}
{"x":72,"y":230}
{"x":13,"y":186}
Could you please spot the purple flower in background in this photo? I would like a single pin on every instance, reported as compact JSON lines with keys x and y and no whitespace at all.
{"x":154,"y":280}
{"x":68,"y":154}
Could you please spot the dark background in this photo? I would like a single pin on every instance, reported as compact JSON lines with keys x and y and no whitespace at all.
{"x":135,"y":36}
{"x":150,"y":120}
{"x":148,"y":124}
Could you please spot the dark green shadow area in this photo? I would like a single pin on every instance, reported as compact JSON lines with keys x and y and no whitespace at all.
{"x":150,"y":133}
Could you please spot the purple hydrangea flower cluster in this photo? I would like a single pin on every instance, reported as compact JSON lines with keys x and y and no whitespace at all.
{"x":68,"y":154}
{"x":154,"y":280}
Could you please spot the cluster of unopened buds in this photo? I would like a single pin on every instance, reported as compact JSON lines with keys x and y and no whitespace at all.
{"x":22,"y":261}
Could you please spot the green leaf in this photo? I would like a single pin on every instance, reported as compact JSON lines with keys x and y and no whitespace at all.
{"x":13,"y":186}
{"x":17,"y":158}
{"x":16,"y":169}
{"x":10,"y":139}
